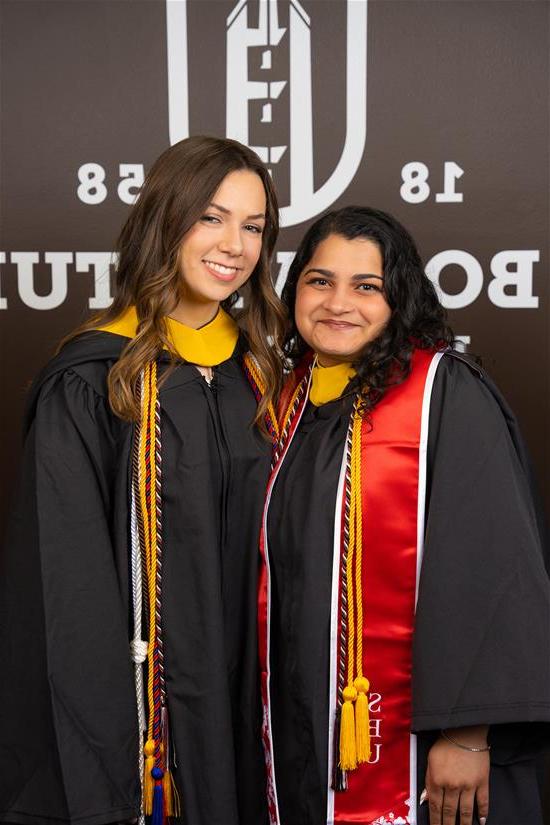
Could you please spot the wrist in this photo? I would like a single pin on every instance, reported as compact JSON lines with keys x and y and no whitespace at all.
{"x":472,"y":738}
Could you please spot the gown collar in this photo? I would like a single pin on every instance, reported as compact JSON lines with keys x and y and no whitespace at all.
{"x":207,"y":347}
{"x":328,"y":383}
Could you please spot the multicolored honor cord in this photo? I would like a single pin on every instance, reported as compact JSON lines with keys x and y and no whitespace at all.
{"x":160,"y":798}
{"x":257,"y":382}
{"x":352,"y":724}
{"x":352,"y":715}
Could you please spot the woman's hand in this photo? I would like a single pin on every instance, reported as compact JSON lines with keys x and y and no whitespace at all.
{"x":457,"y":778}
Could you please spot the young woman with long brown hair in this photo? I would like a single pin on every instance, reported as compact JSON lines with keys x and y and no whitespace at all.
{"x":129,"y":676}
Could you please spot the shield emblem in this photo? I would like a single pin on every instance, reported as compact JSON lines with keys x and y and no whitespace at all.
{"x":272,"y":101}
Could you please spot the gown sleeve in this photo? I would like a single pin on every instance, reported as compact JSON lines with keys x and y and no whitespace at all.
{"x":481,"y":651}
{"x":68,"y":721}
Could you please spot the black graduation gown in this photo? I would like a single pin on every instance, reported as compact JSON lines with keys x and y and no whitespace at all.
{"x":68,"y":723}
{"x":482,"y":631}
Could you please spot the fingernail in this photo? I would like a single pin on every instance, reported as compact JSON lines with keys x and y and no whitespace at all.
{"x":482,"y":820}
{"x":424,"y":796}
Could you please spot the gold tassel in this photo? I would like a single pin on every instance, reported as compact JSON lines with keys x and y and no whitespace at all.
{"x":362,"y":728}
{"x":171,"y":795}
{"x":148,"y":781}
{"x":348,"y":754}
{"x":167,"y":792}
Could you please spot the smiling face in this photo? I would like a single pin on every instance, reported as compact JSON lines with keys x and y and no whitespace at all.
{"x":340,"y":304}
{"x":221,"y":250}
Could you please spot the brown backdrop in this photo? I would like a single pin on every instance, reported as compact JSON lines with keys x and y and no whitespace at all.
{"x":452,"y":85}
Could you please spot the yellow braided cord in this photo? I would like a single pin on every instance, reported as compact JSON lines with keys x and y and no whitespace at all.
{"x":153,"y":488}
{"x":262,"y":386}
{"x":349,"y":577}
{"x":145,"y":391}
{"x":255,"y":372}
{"x":354,"y":738}
{"x":142,"y":440}
{"x":362,"y":723}
{"x":152,"y":565}
{"x":147,"y":434}
{"x":273,"y":416}
{"x":358,"y":513}
{"x":290,"y":408}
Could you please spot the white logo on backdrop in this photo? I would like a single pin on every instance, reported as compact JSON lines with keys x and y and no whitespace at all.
{"x":305,"y":200}
{"x":507,"y":279}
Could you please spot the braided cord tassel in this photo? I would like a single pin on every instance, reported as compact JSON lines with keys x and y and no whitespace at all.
{"x":144,"y":481}
{"x":361,"y":684}
{"x":354,"y":712}
{"x":160,"y":798}
{"x":348,"y":754}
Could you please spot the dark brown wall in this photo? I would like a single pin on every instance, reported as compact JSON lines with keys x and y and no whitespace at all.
{"x":447,"y":81}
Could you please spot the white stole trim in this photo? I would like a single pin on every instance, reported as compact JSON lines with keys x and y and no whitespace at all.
{"x":271,"y":485}
{"x":334,"y":630}
{"x":421,"y":529}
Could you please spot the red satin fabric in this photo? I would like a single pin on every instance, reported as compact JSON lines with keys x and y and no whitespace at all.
{"x":390,"y":466}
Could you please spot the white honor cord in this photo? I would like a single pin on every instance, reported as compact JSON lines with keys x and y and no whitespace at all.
{"x":138,"y":647}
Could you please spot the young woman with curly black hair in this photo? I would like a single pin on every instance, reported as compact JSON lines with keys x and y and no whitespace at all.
{"x":404,"y":606}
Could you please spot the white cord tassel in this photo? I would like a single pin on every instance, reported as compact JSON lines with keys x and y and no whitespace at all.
{"x":138,"y":647}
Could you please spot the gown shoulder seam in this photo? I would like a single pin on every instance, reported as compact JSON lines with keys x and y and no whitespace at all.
{"x":464,"y":359}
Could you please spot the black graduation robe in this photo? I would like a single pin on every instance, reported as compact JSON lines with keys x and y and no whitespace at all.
{"x":482,"y":631}
{"x":68,"y":723}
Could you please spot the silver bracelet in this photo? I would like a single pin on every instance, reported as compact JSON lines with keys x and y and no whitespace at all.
{"x":464,"y":747}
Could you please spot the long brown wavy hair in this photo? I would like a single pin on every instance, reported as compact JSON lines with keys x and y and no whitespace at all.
{"x":174,"y":196}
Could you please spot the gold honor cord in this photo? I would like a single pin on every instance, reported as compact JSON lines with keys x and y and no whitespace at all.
{"x":159,"y":791}
{"x":354,"y":723}
{"x":290,"y":412}
{"x":259,"y":386}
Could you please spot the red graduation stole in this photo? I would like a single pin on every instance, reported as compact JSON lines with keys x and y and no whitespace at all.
{"x":372,"y":777}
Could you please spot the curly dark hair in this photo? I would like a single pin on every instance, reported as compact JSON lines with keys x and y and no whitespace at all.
{"x":418,"y":320}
